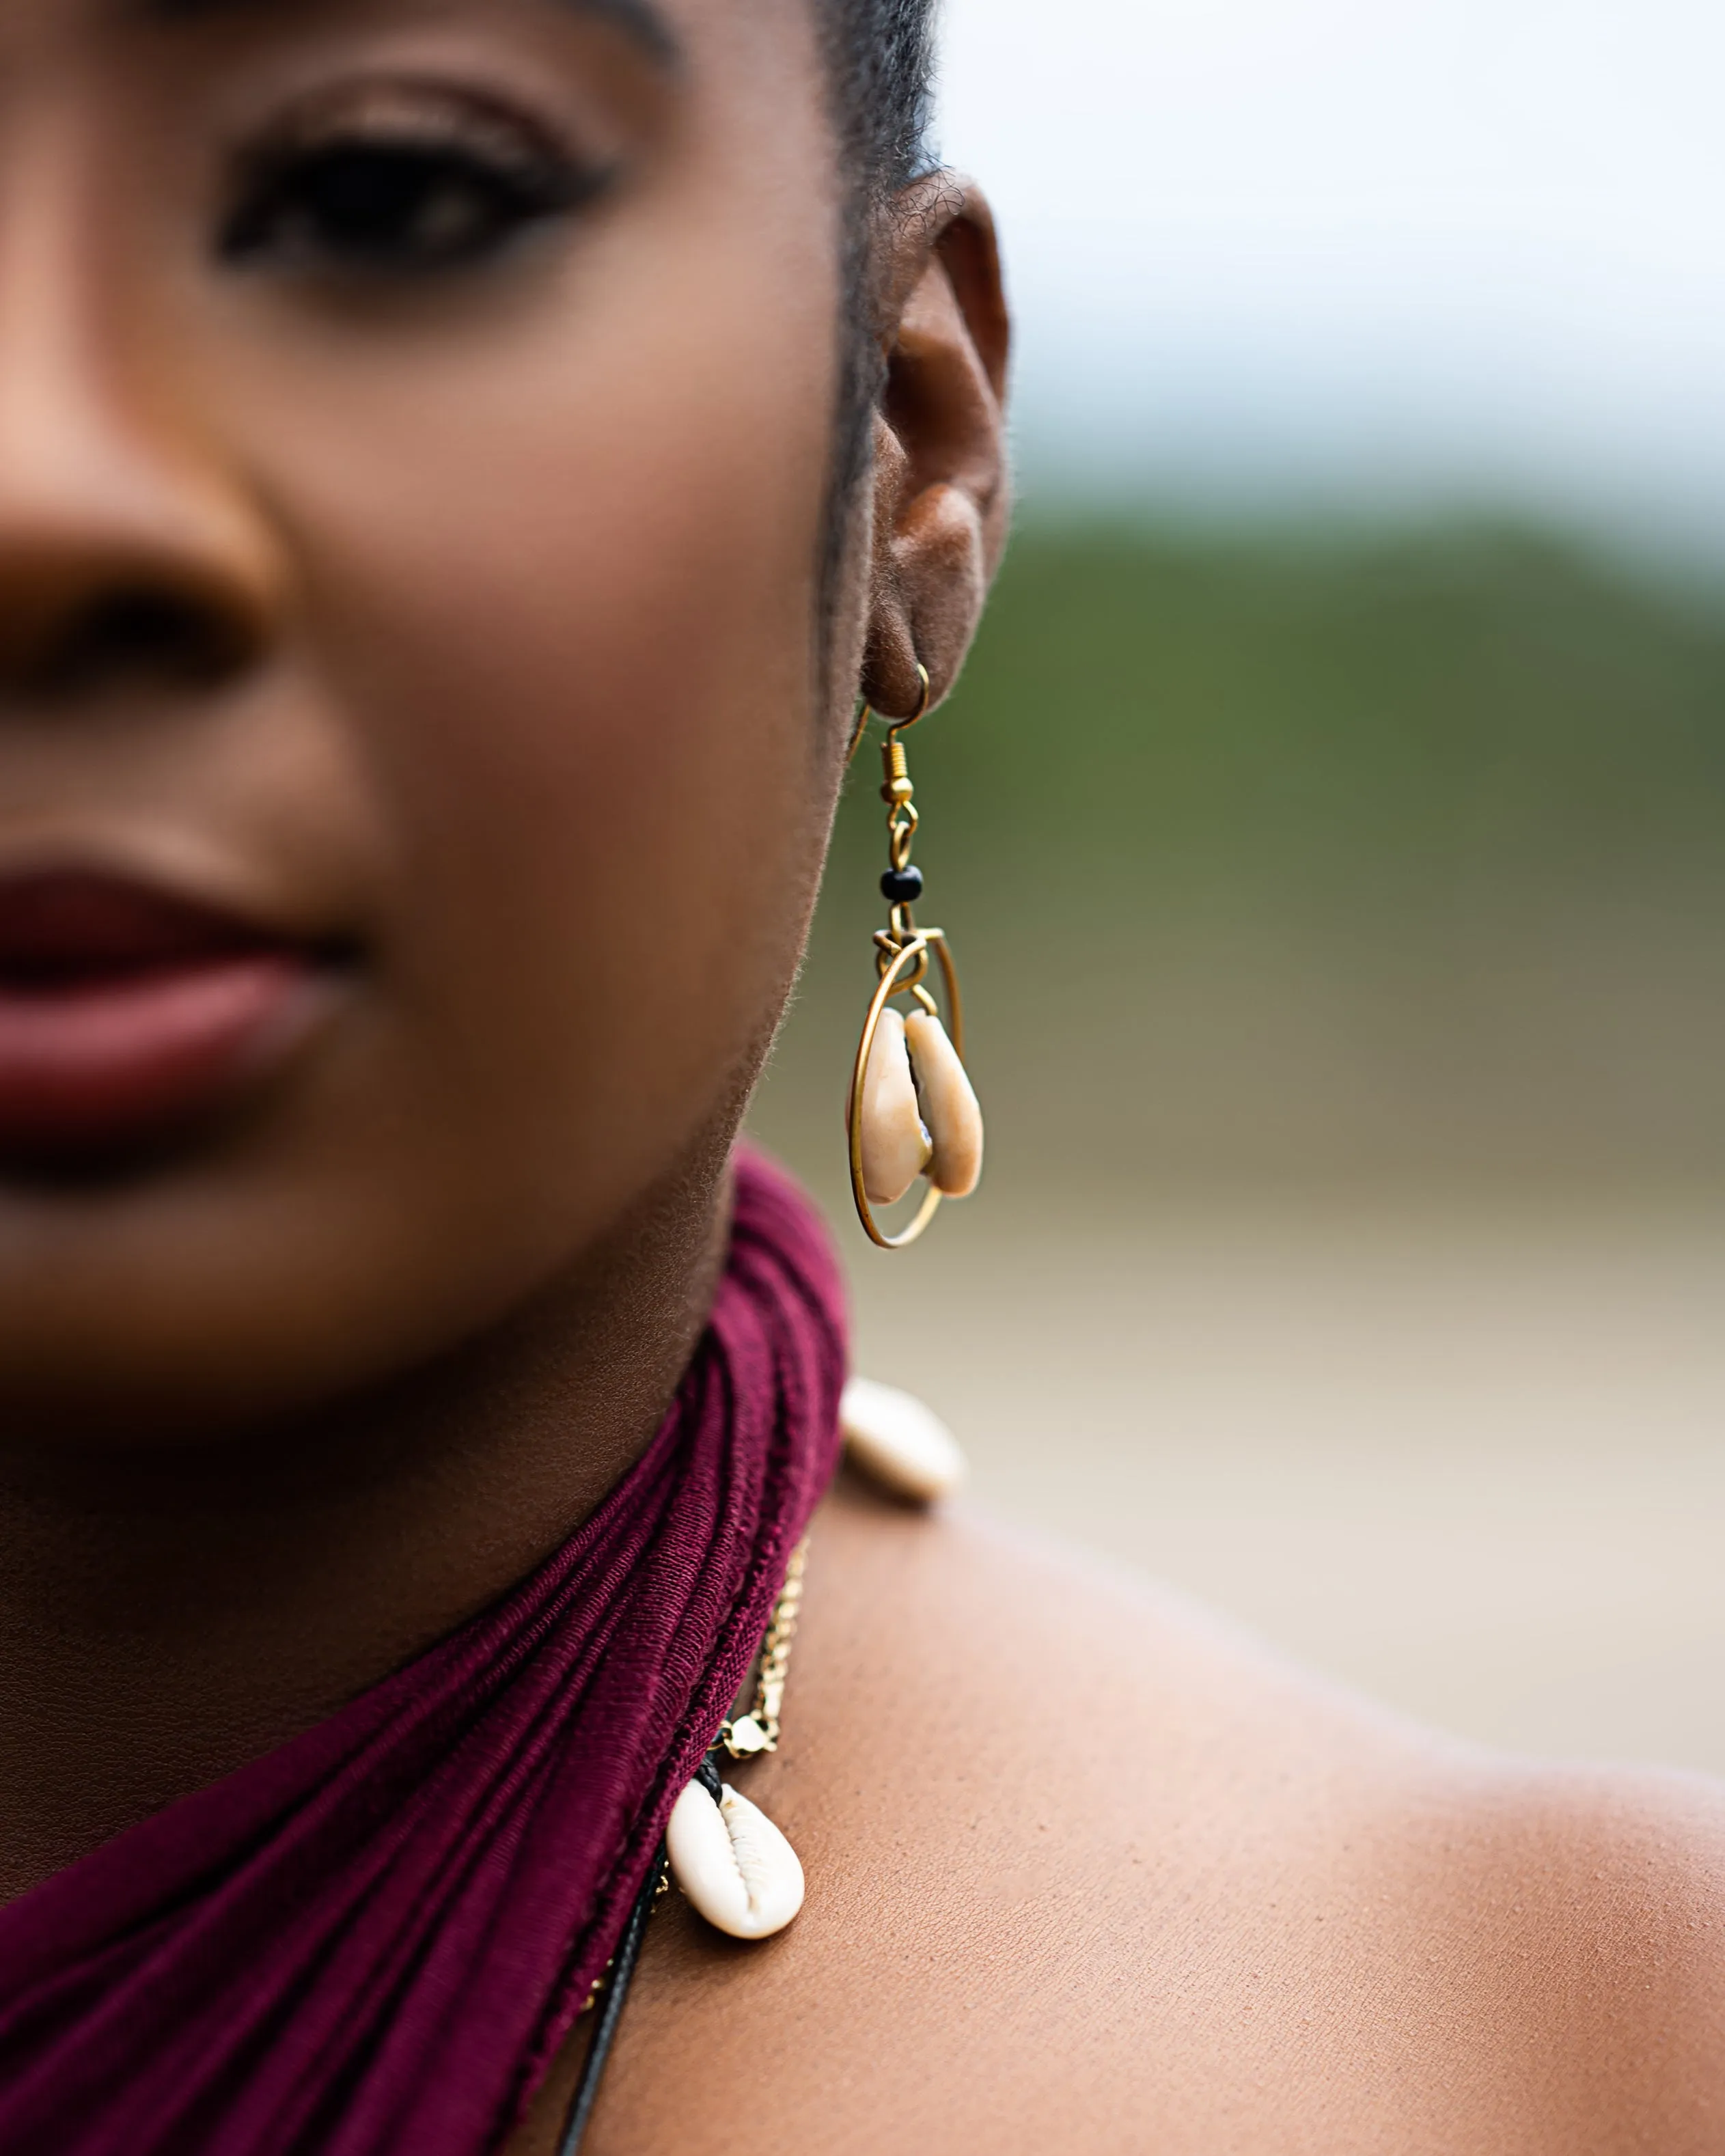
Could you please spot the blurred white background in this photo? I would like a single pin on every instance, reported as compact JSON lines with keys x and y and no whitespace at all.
{"x":1362,"y":253}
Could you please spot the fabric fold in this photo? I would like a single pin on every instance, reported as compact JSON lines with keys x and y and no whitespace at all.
{"x":372,"y":1941}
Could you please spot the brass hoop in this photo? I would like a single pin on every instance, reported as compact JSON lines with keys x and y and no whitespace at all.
{"x":893,"y":726}
{"x":912,"y":956}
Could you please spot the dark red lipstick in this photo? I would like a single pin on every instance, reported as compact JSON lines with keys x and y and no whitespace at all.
{"x":126,"y":1011}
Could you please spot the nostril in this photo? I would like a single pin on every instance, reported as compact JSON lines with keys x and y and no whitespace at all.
{"x":122,"y":634}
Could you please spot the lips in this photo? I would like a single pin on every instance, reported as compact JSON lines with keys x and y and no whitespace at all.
{"x":126,"y":1012}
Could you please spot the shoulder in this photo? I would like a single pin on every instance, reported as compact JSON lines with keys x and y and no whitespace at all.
{"x":1089,"y":1870}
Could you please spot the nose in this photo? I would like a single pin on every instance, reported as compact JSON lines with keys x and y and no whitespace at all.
{"x":128,"y":544}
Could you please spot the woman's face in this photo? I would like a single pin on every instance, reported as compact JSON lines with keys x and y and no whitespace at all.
{"x":416,"y":422}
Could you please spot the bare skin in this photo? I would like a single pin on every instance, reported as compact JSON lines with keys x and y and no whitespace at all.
{"x":458,"y":620}
{"x":1087,"y":1872}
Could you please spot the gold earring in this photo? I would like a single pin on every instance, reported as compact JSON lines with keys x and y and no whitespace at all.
{"x":912,"y":1110}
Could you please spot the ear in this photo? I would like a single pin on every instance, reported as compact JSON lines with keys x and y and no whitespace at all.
{"x":942,"y":498}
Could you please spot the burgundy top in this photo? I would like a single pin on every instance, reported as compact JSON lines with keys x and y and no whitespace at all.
{"x":373,"y":1941}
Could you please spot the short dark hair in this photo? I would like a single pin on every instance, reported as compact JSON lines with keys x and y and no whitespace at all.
{"x":881,"y":57}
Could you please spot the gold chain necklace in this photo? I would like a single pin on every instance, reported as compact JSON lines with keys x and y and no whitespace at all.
{"x":751,"y":1734}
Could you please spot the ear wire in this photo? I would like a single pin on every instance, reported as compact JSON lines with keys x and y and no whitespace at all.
{"x":894,"y":725}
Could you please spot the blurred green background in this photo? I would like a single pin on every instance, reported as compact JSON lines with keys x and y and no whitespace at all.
{"x":1342,"y":914}
{"x":1313,"y":859}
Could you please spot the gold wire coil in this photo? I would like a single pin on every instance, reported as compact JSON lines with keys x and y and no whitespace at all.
{"x":902,"y":973}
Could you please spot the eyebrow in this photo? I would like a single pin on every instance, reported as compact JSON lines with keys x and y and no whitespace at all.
{"x":640,"y":21}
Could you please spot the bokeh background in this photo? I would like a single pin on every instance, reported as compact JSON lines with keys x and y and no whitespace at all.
{"x":1331,"y":827}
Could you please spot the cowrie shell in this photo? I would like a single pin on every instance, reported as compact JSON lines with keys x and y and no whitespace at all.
{"x":903,"y":1446}
{"x":895,"y":1148}
{"x":949,"y":1104}
{"x":732,"y":1864}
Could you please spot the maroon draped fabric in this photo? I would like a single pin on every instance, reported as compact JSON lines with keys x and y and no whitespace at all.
{"x":372,"y":1941}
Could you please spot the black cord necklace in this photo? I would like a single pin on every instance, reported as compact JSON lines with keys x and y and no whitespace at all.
{"x":616,"y":1998}
{"x":621,"y":1975}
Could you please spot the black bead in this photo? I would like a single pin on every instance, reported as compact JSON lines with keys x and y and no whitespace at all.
{"x":901,"y":887}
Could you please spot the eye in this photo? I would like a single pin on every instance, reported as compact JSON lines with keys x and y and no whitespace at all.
{"x":393,"y":192}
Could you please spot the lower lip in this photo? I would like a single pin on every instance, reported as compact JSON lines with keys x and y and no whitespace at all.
{"x":121,"y":1061}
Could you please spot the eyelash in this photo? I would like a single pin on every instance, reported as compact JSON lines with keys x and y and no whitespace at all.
{"x":406,"y":196}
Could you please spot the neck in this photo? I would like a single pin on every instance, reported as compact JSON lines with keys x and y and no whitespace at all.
{"x":167,"y":1615}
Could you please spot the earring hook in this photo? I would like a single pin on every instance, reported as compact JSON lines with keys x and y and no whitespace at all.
{"x":894,"y":725}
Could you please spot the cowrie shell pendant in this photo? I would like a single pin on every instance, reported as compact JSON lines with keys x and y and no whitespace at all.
{"x":732,"y":1863}
{"x":899,"y":1443}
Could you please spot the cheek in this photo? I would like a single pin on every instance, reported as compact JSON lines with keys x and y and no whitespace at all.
{"x":561,"y":585}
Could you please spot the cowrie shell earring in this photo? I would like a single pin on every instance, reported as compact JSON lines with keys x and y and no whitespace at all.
{"x":949,"y":1101}
{"x":912,"y":1109}
{"x":896,"y":1145}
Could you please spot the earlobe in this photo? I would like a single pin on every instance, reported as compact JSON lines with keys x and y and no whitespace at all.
{"x":943,"y":492}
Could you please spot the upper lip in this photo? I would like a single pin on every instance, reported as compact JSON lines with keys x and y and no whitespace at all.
{"x":62,"y":926}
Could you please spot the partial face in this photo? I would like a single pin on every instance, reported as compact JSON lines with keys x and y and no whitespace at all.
{"x":415,"y":429}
